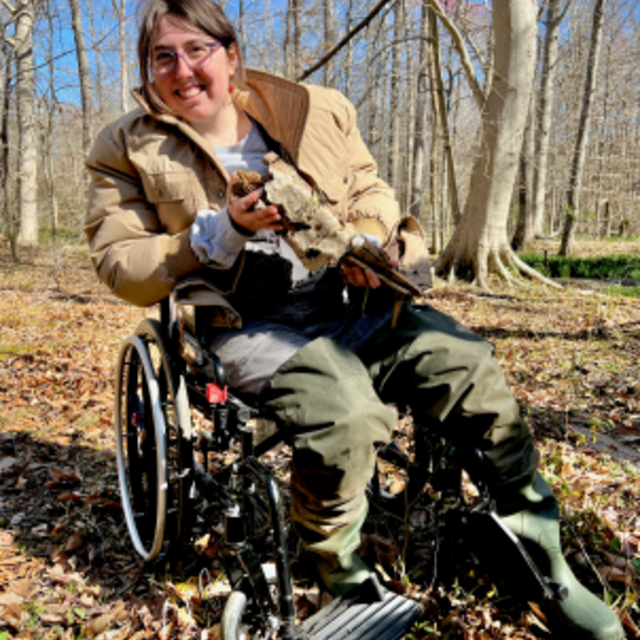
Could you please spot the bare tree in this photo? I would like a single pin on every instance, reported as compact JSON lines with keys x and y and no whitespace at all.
{"x":329,"y":40}
{"x":9,"y":209}
{"x":23,"y":14}
{"x":417,"y":187}
{"x":577,"y":166}
{"x":479,"y":244}
{"x":394,"y":92}
{"x":292,"y":41}
{"x":120,"y":8}
{"x":524,"y":227}
{"x":554,"y":17}
{"x":84,"y":75}
{"x":443,"y":120}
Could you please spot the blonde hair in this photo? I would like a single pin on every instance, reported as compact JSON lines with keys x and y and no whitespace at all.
{"x":206,"y":15}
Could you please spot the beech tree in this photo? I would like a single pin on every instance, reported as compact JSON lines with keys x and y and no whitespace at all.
{"x":416,"y":196}
{"x":577,"y":166}
{"x":480,"y":244}
{"x":23,"y":14}
{"x":553,"y":20}
{"x":83,"y":74}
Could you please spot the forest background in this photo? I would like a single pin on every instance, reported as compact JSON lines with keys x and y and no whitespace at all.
{"x":420,"y":75}
{"x":442,"y":90}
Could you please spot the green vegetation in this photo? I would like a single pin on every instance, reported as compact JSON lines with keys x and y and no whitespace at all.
{"x":619,"y":290}
{"x":613,"y":266}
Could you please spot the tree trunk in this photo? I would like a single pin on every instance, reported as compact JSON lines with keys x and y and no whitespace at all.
{"x":124,"y":71}
{"x":27,"y":154}
{"x":443,"y":119}
{"x":348,"y":55}
{"x":577,"y":166}
{"x":47,"y":144}
{"x":524,"y":234}
{"x":480,"y":244}
{"x":329,"y":41}
{"x":396,"y":76}
{"x":544,"y":111}
{"x":292,"y":40}
{"x":7,"y":177}
{"x":417,"y":187}
{"x":85,"y":77}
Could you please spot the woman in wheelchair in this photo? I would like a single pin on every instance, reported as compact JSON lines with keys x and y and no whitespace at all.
{"x":317,"y":350}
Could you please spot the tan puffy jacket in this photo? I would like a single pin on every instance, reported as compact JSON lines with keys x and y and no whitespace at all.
{"x":151,"y":173}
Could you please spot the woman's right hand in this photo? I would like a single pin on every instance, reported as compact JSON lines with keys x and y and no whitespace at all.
{"x":244,"y":214}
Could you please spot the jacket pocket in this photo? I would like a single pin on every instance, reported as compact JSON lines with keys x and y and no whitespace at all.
{"x":171,"y":192}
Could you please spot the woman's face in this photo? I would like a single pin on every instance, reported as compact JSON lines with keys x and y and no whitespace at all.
{"x":195,"y":95}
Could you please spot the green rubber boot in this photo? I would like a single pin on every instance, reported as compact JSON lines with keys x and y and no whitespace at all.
{"x":581,"y":615}
{"x":339,"y":568}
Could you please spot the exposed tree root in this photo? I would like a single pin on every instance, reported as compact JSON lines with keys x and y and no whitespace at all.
{"x":500,"y":261}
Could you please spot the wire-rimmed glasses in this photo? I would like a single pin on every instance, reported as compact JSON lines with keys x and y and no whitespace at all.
{"x":195,"y":55}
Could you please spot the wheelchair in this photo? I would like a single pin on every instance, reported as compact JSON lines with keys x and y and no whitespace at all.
{"x":174,"y":478}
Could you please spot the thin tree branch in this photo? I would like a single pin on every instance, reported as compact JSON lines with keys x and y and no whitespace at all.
{"x":327,"y":56}
{"x":465,"y":59}
{"x":10,"y":8}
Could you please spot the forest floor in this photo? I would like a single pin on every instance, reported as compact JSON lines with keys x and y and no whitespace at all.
{"x":68,"y":570}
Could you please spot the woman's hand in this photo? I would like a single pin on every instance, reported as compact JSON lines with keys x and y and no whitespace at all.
{"x":244,"y":214}
{"x":358,"y":276}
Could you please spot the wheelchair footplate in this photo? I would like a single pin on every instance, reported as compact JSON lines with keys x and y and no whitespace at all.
{"x":367,"y":612}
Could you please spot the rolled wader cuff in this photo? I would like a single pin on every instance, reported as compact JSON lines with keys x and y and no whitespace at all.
{"x":324,"y":400}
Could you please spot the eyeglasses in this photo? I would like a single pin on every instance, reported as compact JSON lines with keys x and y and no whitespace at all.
{"x":196,"y":56}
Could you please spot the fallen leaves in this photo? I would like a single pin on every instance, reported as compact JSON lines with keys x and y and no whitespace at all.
{"x":67,"y":568}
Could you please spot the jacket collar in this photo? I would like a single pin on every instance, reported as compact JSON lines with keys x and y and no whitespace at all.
{"x":279,"y":105}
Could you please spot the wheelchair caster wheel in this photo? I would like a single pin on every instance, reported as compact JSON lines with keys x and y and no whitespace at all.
{"x":153,"y":442}
{"x":231,"y":625}
{"x":242,"y":621}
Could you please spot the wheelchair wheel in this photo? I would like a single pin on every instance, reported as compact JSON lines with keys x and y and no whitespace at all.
{"x":231,"y":625}
{"x":242,"y":621}
{"x":153,"y":438}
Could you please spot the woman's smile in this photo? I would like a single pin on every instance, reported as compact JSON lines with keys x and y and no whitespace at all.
{"x":199,"y":95}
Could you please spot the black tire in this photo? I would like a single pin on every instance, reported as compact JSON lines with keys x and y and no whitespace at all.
{"x":153,"y":438}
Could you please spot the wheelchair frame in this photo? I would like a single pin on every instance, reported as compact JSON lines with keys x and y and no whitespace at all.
{"x":162,"y":370}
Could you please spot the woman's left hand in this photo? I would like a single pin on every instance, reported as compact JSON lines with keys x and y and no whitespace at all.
{"x":358,"y":276}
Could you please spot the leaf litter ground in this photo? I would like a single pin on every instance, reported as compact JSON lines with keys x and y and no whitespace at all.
{"x":67,"y":569}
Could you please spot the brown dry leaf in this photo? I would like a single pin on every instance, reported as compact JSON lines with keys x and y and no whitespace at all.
{"x":615,"y":574}
{"x":215,"y":633}
{"x":75,"y":541}
{"x":534,"y":620}
{"x":95,"y":626}
{"x":628,"y":622}
{"x":70,"y":496}
{"x":538,"y":612}
{"x":59,"y":575}
{"x":9,"y":598}
{"x":52,"y":617}
{"x":13,"y":614}
{"x":63,"y":475}
{"x":616,"y":560}
{"x":397,"y":486}
{"x":451,"y":619}
{"x":21,"y":587}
